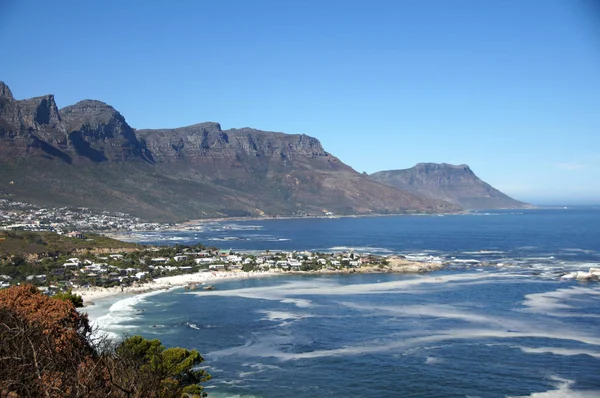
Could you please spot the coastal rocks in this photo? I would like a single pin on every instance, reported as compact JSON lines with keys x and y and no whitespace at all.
{"x":400,"y":264}
{"x":592,"y":275}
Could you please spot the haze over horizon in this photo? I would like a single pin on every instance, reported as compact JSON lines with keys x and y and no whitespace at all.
{"x":510,"y":88}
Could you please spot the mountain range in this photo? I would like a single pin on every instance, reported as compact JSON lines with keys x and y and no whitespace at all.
{"x":87,"y":155}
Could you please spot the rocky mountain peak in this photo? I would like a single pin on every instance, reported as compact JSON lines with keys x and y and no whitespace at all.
{"x":5,"y":91}
{"x":89,"y":109}
{"x":429,"y":167}
{"x":40,"y":112}
{"x":99,"y":132}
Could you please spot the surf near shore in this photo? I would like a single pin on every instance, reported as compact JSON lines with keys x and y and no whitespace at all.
{"x":91,"y":294}
{"x":395,"y":265}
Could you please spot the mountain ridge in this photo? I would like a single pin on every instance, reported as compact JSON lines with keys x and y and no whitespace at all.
{"x":86,"y":154}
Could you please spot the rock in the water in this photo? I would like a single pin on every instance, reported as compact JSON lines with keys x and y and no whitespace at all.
{"x":583,"y":276}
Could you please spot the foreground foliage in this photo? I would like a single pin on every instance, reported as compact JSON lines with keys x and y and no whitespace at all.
{"x":75,"y":299}
{"x":47,"y":349}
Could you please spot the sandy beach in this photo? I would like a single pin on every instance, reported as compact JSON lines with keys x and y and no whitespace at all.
{"x":395,"y":265}
{"x":94,"y":293}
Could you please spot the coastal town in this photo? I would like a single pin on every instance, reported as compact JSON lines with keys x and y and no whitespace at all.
{"x":132,"y":267}
{"x":30,"y":217}
{"x":89,"y":264}
{"x":93,"y":261}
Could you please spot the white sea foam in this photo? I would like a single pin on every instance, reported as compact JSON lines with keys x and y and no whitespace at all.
{"x":550,"y":303}
{"x":282,"y":315}
{"x":120,"y":313}
{"x":482,"y":252}
{"x":433,"y":360}
{"x":268,"y":349}
{"x":423,"y":257}
{"x":559,"y":351}
{"x":298,"y":302}
{"x":563,"y":391}
{"x":256,"y":369}
{"x":358,"y":249}
{"x":408,"y":284}
{"x":436,"y":311}
{"x":577,"y":250}
{"x":240,"y":227}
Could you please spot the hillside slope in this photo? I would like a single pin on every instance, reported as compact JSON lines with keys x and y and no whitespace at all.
{"x":455,"y":184}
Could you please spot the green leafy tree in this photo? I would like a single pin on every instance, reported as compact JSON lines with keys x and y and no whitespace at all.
{"x":248,"y":267}
{"x":75,"y":299}
{"x":168,"y":372}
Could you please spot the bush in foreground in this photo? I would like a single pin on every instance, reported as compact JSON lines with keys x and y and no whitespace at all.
{"x":47,"y":349}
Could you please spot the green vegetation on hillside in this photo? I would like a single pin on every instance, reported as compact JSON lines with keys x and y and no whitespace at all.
{"x":21,"y":243}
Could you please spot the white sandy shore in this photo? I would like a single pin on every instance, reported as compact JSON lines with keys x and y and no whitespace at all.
{"x":167,"y":282}
{"x":396,"y":265}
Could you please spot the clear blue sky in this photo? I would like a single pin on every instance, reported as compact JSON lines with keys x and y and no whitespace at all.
{"x":510,"y":87}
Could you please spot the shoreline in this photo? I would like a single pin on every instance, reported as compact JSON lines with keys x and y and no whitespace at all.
{"x":183,"y":224}
{"x":396,"y":266}
{"x":165,"y":283}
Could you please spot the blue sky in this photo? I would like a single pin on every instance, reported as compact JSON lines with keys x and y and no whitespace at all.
{"x":510,"y":87}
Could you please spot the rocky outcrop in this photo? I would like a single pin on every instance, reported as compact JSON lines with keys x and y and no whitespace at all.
{"x":98,"y":132}
{"x":30,"y":127}
{"x":207,"y":141}
{"x":40,"y":113}
{"x":455,"y":184}
{"x":592,"y":275}
{"x":9,"y":110}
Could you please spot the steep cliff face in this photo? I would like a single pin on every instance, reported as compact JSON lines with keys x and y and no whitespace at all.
{"x":87,"y":155}
{"x":190,"y":143}
{"x":455,"y":184}
{"x":207,"y":141}
{"x":9,"y":110}
{"x":40,"y":113}
{"x":98,"y":132}
{"x":31,"y":127}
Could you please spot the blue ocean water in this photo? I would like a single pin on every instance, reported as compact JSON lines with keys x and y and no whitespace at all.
{"x":499,"y":322}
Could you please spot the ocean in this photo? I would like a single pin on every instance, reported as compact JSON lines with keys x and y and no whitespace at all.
{"x":497,"y":322}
